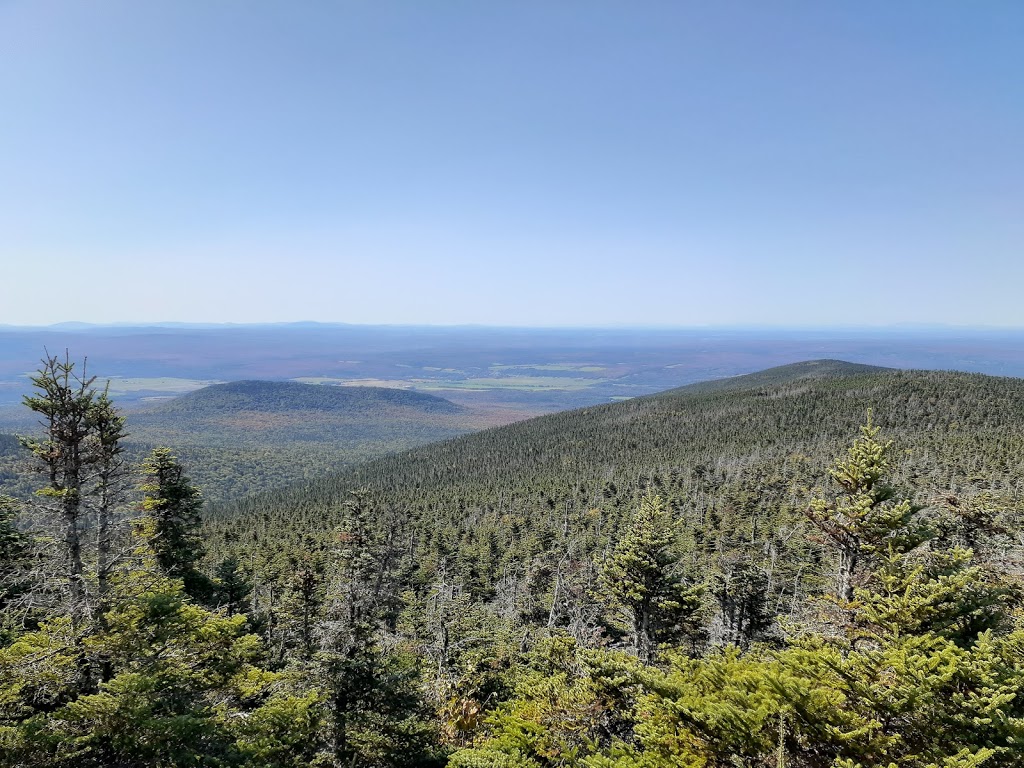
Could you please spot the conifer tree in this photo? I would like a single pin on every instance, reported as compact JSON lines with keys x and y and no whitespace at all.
{"x":741,"y":592}
{"x":15,"y":547}
{"x":304,"y":600}
{"x":642,"y":575}
{"x":66,"y":401}
{"x":186,"y":686}
{"x":348,"y":658}
{"x":174,"y":505}
{"x":231,"y":587}
{"x":376,"y":714}
{"x":81,"y":454}
{"x":111,"y":472}
{"x":865,"y":516}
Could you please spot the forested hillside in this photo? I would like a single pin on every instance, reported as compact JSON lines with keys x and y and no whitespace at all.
{"x":816,"y":565}
{"x":246,"y":436}
{"x":289,"y":396}
{"x":959,"y":431}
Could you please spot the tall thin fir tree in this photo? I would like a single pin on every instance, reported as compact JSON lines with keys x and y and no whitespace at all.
{"x":110,"y":484}
{"x":66,"y":402}
{"x":348,"y":656}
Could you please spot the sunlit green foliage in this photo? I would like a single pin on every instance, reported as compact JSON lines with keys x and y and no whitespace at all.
{"x":175,"y":683}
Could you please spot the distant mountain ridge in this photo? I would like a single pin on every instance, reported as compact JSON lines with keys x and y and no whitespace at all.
{"x":280,"y":396}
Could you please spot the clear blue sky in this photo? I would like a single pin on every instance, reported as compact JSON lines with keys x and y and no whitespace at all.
{"x":537,"y":162}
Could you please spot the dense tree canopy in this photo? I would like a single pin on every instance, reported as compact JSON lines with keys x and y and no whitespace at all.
{"x":720,"y":576}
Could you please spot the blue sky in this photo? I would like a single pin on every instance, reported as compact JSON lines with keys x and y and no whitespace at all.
{"x":523,"y":162}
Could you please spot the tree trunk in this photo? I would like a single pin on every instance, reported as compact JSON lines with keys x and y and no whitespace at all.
{"x":847,"y":566}
{"x":103,"y":544}
{"x":73,"y":545}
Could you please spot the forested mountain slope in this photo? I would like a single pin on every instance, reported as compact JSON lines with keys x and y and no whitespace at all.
{"x":954,"y":427}
{"x":781,"y":374}
{"x":282,"y":412}
{"x":507,"y":513}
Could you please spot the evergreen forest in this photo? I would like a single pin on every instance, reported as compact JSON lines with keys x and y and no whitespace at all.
{"x":816,"y":566}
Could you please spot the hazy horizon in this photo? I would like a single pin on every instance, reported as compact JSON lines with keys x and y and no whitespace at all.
{"x":908,"y":326}
{"x":537,"y":367}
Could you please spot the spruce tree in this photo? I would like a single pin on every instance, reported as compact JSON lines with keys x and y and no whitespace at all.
{"x":376,"y":715}
{"x":174,"y":505}
{"x":81,"y":455}
{"x":866,"y":516}
{"x":231,"y":586}
{"x":15,"y":549}
{"x":741,"y":591}
{"x":111,"y":473}
{"x":185,"y":686}
{"x":642,"y":575}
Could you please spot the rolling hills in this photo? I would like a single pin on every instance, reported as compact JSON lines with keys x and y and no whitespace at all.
{"x":528,"y":370}
{"x":284,"y":413}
